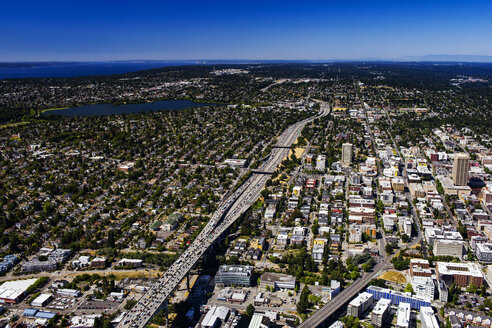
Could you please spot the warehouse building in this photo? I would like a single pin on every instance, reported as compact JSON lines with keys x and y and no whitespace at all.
{"x":34,"y":313}
{"x":259,"y":321}
{"x":41,"y":300}
{"x":134,"y":263}
{"x":215,"y":316}
{"x":68,"y":292}
{"x":14,"y":291}
{"x":277,"y":281}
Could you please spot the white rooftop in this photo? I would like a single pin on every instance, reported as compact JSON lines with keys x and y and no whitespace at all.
{"x":428,"y":317}
{"x":20,"y":285}
{"x":41,"y":299}
{"x":469,"y":268}
{"x":403,"y":315}
{"x":381,"y":306}
{"x":363,"y":297}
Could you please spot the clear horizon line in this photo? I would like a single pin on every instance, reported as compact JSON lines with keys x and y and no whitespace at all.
{"x":416,"y":58}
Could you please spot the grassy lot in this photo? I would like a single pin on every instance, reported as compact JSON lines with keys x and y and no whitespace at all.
{"x":394,"y":276}
{"x":298,"y":151}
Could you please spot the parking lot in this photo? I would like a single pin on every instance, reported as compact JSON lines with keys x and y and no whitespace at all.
{"x":98,"y":305}
{"x":62,"y":303}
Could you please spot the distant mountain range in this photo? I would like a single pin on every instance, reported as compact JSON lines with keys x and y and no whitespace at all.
{"x":426,"y":58}
{"x":449,"y":58}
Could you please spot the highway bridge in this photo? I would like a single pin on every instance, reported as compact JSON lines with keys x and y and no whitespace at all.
{"x":229,"y":210}
{"x":277,"y":146}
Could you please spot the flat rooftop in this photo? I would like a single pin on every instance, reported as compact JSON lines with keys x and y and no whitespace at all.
{"x":235,"y":270}
{"x":459,"y":268}
{"x":363,"y":297}
{"x":274,"y":277}
{"x":381,"y":306}
{"x":403,"y":315}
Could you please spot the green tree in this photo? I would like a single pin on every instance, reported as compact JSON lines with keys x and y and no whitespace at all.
{"x":472,"y":289}
{"x":303,"y":303}
{"x":130,"y":304}
{"x":250,"y":310}
{"x":483,"y":291}
{"x":265,"y":193}
{"x":351,"y":322}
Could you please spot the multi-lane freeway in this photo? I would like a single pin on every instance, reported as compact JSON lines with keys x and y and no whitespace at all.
{"x":229,"y":210}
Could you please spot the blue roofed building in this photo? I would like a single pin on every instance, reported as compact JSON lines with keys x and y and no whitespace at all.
{"x":396,"y":297}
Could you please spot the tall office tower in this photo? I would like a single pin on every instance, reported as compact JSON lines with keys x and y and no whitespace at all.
{"x":346,"y":154}
{"x":460,"y":169}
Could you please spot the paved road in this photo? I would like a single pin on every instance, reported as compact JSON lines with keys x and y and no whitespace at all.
{"x":348,"y":293}
{"x":229,"y":210}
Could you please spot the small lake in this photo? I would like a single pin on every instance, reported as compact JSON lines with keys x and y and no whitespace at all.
{"x":109,"y":109}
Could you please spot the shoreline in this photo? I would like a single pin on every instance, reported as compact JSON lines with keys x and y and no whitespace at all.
{"x":51,"y":109}
{"x":193,"y":104}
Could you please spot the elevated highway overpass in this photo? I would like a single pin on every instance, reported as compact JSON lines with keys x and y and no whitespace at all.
{"x":229,"y":210}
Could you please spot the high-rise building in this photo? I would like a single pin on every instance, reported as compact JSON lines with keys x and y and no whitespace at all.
{"x":403,"y":315}
{"x":427,"y":318}
{"x":380,"y":312}
{"x":346,"y":154}
{"x":460,"y":169}
{"x":360,"y":304}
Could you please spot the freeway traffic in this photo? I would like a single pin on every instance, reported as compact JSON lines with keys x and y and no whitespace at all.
{"x":228,"y":212}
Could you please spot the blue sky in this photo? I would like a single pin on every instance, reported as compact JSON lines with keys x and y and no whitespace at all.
{"x":234,"y":29}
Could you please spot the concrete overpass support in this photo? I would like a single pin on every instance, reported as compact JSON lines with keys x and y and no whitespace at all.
{"x":167,"y":314}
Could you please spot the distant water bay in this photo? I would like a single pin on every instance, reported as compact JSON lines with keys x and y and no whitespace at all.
{"x":66,"y":70}
{"x":109,"y":109}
